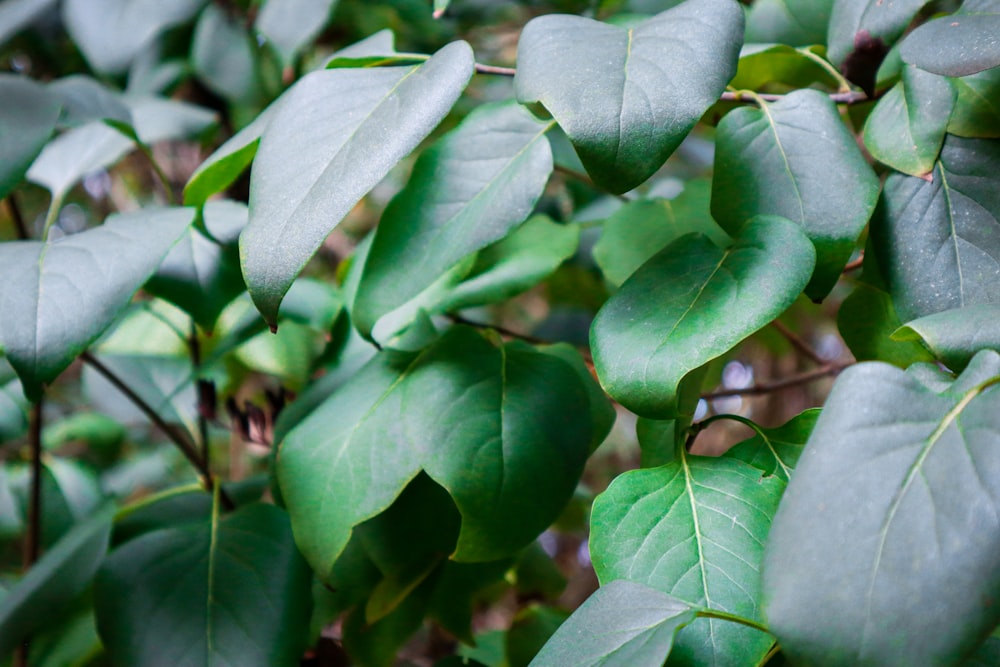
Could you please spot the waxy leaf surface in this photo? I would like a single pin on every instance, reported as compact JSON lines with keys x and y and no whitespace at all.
{"x":627,"y":97}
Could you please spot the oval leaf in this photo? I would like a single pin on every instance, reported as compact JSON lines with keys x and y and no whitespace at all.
{"x":289,"y":25}
{"x":692,"y":302}
{"x":964,"y":43}
{"x":325,"y":148}
{"x":627,"y":97}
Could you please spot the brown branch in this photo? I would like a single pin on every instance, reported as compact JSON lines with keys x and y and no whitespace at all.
{"x":15,"y":214}
{"x":853,"y":97}
{"x":493,"y":69}
{"x":826,"y":370}
{"x":803,"y":347}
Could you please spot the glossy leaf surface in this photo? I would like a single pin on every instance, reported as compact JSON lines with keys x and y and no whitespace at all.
{"x":325,"y":147}
{"x":626,"y":97}
{"x":692,"y":302}
{"x":963,"y":43}
{"x":28,"y":115}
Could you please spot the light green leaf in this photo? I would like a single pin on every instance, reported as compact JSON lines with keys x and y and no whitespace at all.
{"x":13,"y":405}
{"x":627,"y":97}
{"x":692,"y":302}
{"x":531,"y":628}
{"x":85,"y":99}
{"x":694,"y":529}
{"x":228,"y":591}
{"x":766,"y":163}
{"x":763,"y":64}
{"x":76,"y":153}
{"x":637,"y":628}
{"x":58,"y":297}
{"x":16,"y":15}
{"x":938,"y":242}
{"x":467,"y":191}
{"x":906,"y":128}
{"x":325,"y":148}
{"x":890,"y":523}
{"x":777,"y":450}
{"x":963,"y":43}
{"x":977,"y":109}
{"x":792,"y":22}
{"x":290,"y":25}
{"x":28,"y":115}
{"x":956,"y":336}
{"x":224,"y":57}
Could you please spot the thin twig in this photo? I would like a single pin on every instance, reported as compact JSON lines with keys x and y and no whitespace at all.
{"x":189,"y":450}
{"x":769,"y":387}
{"x":803,"y":347}
{"x":32,"y":542}
{"x":853,"y":97}
{"x":15,"y":214}
{"x":583,"y":178}
{"x":493,"y":69}
{"x":194,"y":346}
{"x":503,"y":331}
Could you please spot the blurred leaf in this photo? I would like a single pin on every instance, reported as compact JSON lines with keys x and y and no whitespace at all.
{"x":102,"y":434}
{"x":530,"y":629}
{"x":85,"y":99}
{"x":224,"y":56}
{"x":863,"y":31}
{"x":792,"y":22}
{"x":28,"y":115}
{"x":960,"y":44}
{"x":16,"y":15}
{"x":290,"y":25}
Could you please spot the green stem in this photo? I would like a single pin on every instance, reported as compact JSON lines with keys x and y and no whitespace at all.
{"x":725,"y":616}
{"x":775,"y":650}
{"x":843,"y":85}
{"x":129,"y":509}
{"x":168,"y":189}
{"x":53,"y":213}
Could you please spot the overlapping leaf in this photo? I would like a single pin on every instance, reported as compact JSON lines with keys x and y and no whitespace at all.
{"x":956,"y":336}
{"x":694,"y":529}
{"x":627,"y":97}
{"x":977,"y":109}
{"x":767,"y":162}
{"x":224,"y":57}
{"x":59,"y":296}
{"x":777,"y":450}
{"x":793,"y":22}
{"x":920,"y":547}
{"x":325,"y":147}
{"x":865,"y":30}
{"x":289,"y":25}
{"x":692,"y":302}
{"x":28,"y":115}
{"x":963,"y":43}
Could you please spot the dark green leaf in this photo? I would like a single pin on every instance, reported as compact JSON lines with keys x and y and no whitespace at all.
{"x":955,"y":336}
{"x":58,"y":577}
{"x":627,"y":97}
{"x":938,"y":242}
{"x":16,"y":15}
{"x":28,"y":115}
{"x":890,"y":523}
{"x":636,"y":626}
{"x":530,"y":629}
{"x":102,"y":434}
{"x":695,"y":529}
{"x":692,"y":302}
{"x":792,"y":22}
{"x":777,"y":450}
{"x":290,"y":25}
{"x":325,"y":148}
{"x":59,"y":296}
{"x":866,"y":29}
{"x":988,"y":654}
{"x":866,"y":320}
{"x":467,"y":191}
{"x":766,"y":162}
{"x":977,"y":109}
{"x":229,"y":590}
{"x":964,"y":43}
{"x":224,"y":57}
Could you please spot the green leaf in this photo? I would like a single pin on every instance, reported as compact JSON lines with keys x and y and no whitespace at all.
{"x":637,"y":628}
{"x":59,"y":296}
{"x":229,"y":590}
{"x":767,"y":162}
{"x":866,"y":320}
{"x":627,"y":97}
{"x":864,"y":30}
{"x":937,"y":241}
{"x":988,"y":654}
{"x":899,"y":483}
{"x":467,"y":191}
{"x":776,"y":450}
{"x":955,"y":336}
{"x":455,"y":411}
{"x":531,"y":628}
{"x":762,"y":64}
{"x":957,"y":45}
{"x":290,"y":25}
{"x":111,"y":33}
{"x":224,"y":57}
{"x":85,"y":99}
{"x":692,"y":302}
{"x":102,"y":434}
{"x":16,"y":15}
{"x":325,"y":148}
{"x":792,"y":22}
{"x":640,"y":229}
{"x":906,"y":128}
{"x":28,"y":116}
{"x":694,"y":529}
{"x":60,"y":575}
{"x":977,"y":109}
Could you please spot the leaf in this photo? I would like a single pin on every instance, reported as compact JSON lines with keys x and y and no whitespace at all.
{"x":310,"y":170}
{"x":637,"y":628}
{"x":766,"y":163}
{"x":531,"y":628}
{"x":690,"y":303}
{"x":900,"y":482}
{"x":987,"y":654}
{"x":627,"y":97}
{"x":977,"y":109}
{"x":61,"y":574}
{"x":290,"y":25}
{"x":87,"y":280}
{"x":694,"y":529}
{"x":906,"y":128}
{"x":866,"y":319}
{"x":955,"y":336}
{"x":224,"y":57}
{"x":937,"y":242}
{"x":864,"y":30}
{"x":777,"y":450}
{"x":762,"y":64}
{"x":111,"y":33}
{"x":16,"y":15}
{"x":468,"y":190}
{"x":957,"y":45}
{"x":792,"y":22}
{"x":28,"y":116}
{"x":229,"y":590}
{"x":641,"y":228}
{"x":455,"y":411}
{"x":85,"y":99}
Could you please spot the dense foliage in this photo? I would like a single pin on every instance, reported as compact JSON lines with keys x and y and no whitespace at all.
{"x":472,"y":274}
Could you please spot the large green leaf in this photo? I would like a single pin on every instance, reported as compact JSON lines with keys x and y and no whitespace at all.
{"x":957,"y":45}
{"x":627,"y":97}
{"x":58,"y":577}
{"x":977,"y":109}
{"x":325,"y":147}
{"x":692,"y":302}
{"x":28,"y":115}
{"x":289,"y":25}
{"x":793,"y":22}
{"x":231,"y":590}
{"x":58,"y":297}
{"x":767,"y":161}
{"x":502,"y":427}
{"x":955,"y":336}
{"x":623,"y":623}
{"x":889,"y":524}
{"x":777,"y":450}
{"x":467,"y":191}
{"x":694,"y":529}
{"x":938,"y":242}
{"x":907,"y":126}
{"x":866,"y":29}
